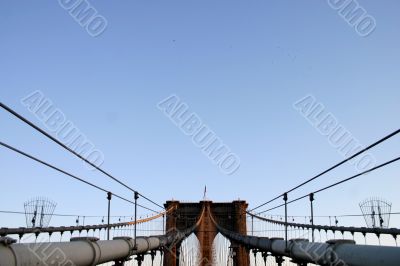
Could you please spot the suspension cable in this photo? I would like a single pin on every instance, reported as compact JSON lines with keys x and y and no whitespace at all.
{"x":331,"y":168}
{"x":327,"y":216}
{"x":337,"y":183}
{"x":68,"y":174}
{"x":68,"y":215}
{"x":20,"y":117}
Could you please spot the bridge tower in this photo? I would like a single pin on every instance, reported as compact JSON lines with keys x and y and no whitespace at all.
{"x":229,"y":215}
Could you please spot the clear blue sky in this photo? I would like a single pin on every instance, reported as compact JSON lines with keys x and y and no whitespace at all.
{"x":239,"y":65}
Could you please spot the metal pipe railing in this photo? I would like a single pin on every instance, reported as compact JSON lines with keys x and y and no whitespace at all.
{"x":4,"y":231}
{"x":82,"y":251}
{"x":363,"y":230}
{"x":334,"y":252}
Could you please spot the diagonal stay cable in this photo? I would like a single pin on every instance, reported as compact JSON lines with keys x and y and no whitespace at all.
{"x":20,"y":117}
{"x":331,"y":168}
{"x":337,"y":183}
{"x":68,"y":174}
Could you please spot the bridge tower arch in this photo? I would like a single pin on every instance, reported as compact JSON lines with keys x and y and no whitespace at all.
{"x":229,"y":215}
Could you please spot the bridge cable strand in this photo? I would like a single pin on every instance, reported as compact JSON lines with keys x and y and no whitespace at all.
{"x":176,"y":235}
{"x":81,"y":215}
{"x":331,"y":168}
{"x":69,"y":174}
{"x":302,"y":251}
{"x":38,"y":230}
{"x":364,"y":230}
{"x":20,"y":117}
{"x":148,"y":219}
{"x":326,"y":216}
{"x":337,"y":183}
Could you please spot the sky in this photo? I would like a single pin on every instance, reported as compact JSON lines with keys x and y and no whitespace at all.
{"x":239,"y":66}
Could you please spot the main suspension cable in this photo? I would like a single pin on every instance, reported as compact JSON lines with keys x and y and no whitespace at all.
{"x":20,"y":117}
{"x":68,"y":174}
{"x":331,"y":168}
{"x":337,"y":183}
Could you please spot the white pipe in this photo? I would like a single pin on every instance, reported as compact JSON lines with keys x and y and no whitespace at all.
{"x":337,"y":252}
{"x":77,"y":252}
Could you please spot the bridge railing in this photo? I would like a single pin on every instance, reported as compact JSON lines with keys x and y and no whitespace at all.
{"x":301,"y":251}
{"x":394,"y":232}
{"x":87,"y":250}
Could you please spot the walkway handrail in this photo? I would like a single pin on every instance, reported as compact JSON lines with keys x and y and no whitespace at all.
{"x":83,"y":251}
{"x":363,"y":230}
{"x":4,"y":231}
{"x":334,"y":252}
